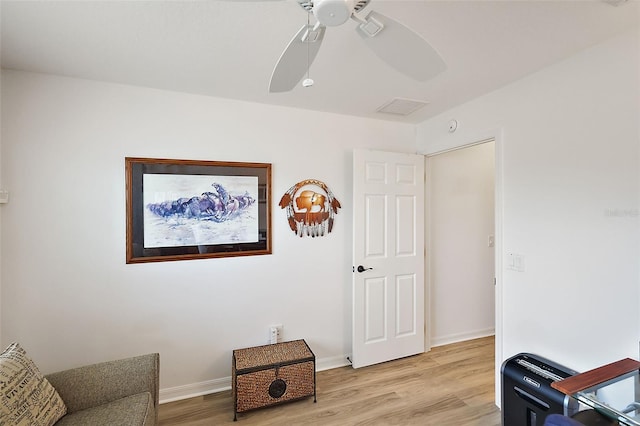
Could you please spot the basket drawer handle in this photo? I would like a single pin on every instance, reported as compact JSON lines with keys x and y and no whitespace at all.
{"x":277,"y":388}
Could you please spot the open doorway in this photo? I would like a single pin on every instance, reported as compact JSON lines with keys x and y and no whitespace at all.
{"x":460,"y":209}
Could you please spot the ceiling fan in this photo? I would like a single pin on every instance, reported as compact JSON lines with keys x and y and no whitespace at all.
{"x":393,"y":42}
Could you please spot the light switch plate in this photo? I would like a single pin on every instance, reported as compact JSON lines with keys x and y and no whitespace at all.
{"x":515,"y":262}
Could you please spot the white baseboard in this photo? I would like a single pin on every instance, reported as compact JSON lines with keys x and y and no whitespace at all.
{"x":194,"y":389}
{"x":178,"y":393}
{"x":333,"y":362}
{"x":461,"y":337}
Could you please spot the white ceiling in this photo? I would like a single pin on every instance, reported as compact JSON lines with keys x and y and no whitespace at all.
{"x":229,"y":48}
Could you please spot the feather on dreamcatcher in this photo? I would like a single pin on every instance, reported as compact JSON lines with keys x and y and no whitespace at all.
{"x":311,"y":208}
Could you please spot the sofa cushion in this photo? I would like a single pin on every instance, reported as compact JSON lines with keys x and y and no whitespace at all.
{"x":131,"y":410}
{"x":27,"y":397}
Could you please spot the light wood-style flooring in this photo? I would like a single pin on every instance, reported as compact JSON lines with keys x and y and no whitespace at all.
{"x":450,"y":385}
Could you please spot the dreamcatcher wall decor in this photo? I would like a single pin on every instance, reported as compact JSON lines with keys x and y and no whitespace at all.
{"x":311,"y":208}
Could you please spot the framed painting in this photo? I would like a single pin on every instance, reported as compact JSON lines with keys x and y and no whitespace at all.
{"x":188,"y":209}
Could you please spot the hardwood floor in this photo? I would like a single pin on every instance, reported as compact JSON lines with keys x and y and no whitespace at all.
{"x":450,"y":385}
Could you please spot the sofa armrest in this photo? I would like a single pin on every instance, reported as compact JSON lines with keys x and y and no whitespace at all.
{"x":94,"y":385}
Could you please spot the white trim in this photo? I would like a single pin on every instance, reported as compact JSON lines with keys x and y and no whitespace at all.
{"x":192,"y":390}
{"x":455,"y":148}
{"x":499,"y":219}
{"x":427,"y":254}
{"x":461,"y":337}
{"x":333,"y":362}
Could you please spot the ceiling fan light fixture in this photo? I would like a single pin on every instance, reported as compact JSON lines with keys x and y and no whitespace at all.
{"x":401,"y":106}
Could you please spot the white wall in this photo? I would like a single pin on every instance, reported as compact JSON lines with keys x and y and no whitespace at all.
{"x":461,"y":261}
{"x":67,"y":294}
{"x":569,"y":142}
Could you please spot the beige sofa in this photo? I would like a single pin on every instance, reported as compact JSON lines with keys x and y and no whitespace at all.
{"x":115,"y":393}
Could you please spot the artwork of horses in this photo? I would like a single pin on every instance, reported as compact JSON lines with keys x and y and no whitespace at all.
{"x":188,"y":210}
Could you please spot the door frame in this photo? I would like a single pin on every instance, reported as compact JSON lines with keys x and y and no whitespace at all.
{"x":497,"y":136}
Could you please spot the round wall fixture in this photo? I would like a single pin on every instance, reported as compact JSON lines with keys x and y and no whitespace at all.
{"x":453,"y":126}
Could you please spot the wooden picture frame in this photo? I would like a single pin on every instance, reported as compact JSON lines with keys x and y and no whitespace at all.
{"x":190,"y":209}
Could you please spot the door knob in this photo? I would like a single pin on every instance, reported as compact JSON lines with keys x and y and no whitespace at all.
{"x":362,"y":268}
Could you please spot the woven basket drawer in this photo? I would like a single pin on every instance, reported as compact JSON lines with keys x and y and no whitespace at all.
{"x":265,"y":387}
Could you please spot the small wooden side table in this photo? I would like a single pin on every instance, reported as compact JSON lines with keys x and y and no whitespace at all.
{"x":272,"y":374}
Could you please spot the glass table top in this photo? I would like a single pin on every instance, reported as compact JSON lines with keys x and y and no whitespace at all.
{"x":617,"y":398}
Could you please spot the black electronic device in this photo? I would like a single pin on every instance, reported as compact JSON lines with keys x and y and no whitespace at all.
{"x":527,"y":395}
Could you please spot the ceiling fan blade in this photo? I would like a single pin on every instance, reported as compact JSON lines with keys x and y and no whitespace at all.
{"x":402,"y":48}
{"x":296,"y":58}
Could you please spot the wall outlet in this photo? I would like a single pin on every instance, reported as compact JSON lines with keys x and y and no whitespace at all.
{"x":275,"y":333}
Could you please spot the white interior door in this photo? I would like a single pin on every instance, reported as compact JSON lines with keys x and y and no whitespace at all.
{"x":388,"y":249}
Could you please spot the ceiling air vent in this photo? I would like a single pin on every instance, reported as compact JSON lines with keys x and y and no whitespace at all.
{"x":615,"y":2}
{"x":401,"y":106}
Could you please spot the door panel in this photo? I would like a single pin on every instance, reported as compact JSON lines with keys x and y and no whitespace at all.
{"x":406,"y":223}
{"x":406,"y":297}
{"x":388,"y":296}
{"x":376,"y":291}
{"x":375,"y":235}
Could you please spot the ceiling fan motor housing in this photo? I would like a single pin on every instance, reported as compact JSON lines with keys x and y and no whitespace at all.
{"x":332,"y":13}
